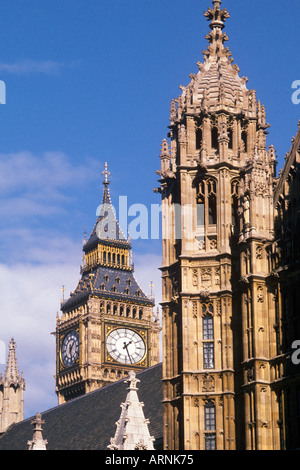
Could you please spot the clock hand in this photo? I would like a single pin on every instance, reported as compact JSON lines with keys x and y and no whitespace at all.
{"x":125,"y":346}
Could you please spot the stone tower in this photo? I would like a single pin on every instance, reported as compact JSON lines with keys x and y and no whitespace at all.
{"x":12,"y":388}
{"x":216,"y":183}
{"x":107,"y":324}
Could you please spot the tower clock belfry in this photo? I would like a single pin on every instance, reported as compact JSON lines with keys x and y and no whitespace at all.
{"x":216,"y":183}
{"x":107,"y":326}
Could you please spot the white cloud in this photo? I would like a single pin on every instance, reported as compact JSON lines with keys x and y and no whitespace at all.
{"x":27,"y":66}
{"x":36,"y":188}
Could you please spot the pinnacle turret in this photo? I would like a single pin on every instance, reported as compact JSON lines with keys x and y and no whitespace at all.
{"x":132,"y":428}
{"x":11,"y":375}
{"x":37,"y":443}
{"x":11,"y":406}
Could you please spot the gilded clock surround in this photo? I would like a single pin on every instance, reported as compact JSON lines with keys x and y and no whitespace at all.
{"x":142,"y":332}
{"x":62,"y":338}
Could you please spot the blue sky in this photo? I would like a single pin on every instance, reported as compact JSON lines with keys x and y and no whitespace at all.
{"x":90,"y":81}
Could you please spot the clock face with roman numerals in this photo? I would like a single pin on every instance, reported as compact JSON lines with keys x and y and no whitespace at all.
{"x":70,"y":349}
{"x":126,"y":346}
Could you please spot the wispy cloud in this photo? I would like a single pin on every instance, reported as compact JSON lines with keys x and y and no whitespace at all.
{"x":33,"y":185}
{"x":25,"y":171}
{"x":27,"y":66}
{"x":37,"y":193}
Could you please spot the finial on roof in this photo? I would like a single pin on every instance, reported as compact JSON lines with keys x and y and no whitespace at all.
{"x":106,"y":173}
{"x":37,"y":443}
{"x":216,"y":15}
{"x":216,"y":37}
{"x":132,"y":431}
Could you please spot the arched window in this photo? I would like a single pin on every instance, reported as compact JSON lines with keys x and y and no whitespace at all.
{"x":208,"y":337}
{"x":207,"y":203}
{"x":212,"y":202}
{"x":208,"y":327}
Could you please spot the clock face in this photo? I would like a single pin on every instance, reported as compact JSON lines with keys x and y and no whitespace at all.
{"x":70,"y":348}
{"x":125,"y":346}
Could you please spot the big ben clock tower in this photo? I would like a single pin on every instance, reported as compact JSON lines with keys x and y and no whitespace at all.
{"x":107,"y":326}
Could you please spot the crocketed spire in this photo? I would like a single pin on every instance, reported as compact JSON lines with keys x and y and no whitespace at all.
{"x":12,"y":372}
{"x":132,"y":428}
{"x":217,"y":86}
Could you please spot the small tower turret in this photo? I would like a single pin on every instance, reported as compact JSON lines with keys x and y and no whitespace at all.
{"x":12,"y":388}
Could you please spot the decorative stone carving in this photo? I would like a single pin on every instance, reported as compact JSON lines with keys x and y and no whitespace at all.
{"x":259,"y":252}
{"x":260,"y":294}
{"x":204,"y":295}
{"x":208,"y":384}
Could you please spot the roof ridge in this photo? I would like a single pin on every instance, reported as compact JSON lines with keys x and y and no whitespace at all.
{"x":74,"y":400}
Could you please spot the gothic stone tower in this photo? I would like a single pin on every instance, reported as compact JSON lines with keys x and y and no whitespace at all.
{"x":12,"y":388}
{"x":217,"y":182}
{"x":107,"y":325}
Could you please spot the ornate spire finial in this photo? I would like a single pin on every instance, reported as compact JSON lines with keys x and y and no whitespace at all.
{"x":216,"y":37}
{"x":216,"y":15}
{"x":106,"y":195}
{"x":37,"y":443}
{"x":106,"y":173}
